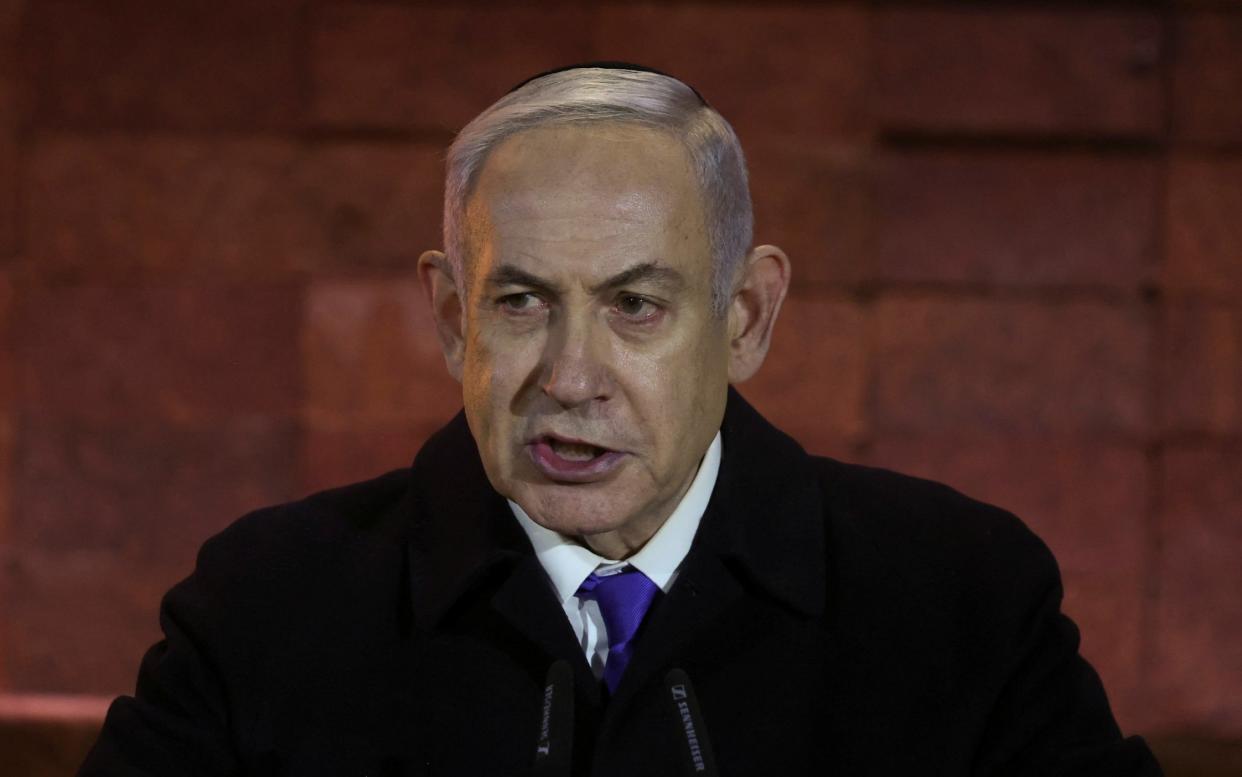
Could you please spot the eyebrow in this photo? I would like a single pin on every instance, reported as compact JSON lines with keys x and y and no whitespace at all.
{"x":640,"y":273}
{"x":509,"y":275}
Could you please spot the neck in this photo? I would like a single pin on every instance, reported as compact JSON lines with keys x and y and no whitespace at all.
{"x":615,"y":545}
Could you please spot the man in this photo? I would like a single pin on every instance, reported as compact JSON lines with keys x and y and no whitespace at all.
{"x":610,"y":564}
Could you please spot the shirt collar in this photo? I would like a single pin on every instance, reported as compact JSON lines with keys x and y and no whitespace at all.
{"x":568,"y":563}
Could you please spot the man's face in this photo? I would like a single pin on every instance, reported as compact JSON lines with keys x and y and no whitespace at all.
{"x":594,"y":371}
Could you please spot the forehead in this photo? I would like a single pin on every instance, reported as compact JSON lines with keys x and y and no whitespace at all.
{"x":595,"y":183}
{"x":586,"y":158}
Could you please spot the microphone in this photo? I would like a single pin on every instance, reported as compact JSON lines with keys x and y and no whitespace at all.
{"x":698,"y":759}
{"x":555,"y":744}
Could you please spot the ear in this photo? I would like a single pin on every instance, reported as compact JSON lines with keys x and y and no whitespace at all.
{"x":435,"y":272}
{"x":758,"y":292}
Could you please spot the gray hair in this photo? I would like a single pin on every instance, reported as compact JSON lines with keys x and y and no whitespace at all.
{"x":595,"y":95}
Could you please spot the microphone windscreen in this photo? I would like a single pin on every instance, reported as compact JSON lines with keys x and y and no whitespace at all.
{"x":697,"y":756}
{"x":554,"y":745}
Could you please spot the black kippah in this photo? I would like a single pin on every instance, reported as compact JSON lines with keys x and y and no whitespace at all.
{"x":608,"y":64}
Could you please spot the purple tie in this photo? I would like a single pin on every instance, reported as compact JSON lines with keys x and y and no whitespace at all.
{"x":623,"y":600}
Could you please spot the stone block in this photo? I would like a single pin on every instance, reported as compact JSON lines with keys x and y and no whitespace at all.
{"x":132,"y":64}
{"x":1010,"y":366}
{"x":1191,"y":755}
{"x":147,"y":491}
{"x":334,"y":457}
{"x":10,"y":23}
{"x":7,"y":435}
{"x":6,"y":439}
{"x":79,"y":622}
{"x":1201,"y":369}
{"x":377,"y":205}
{"x":1208,"y":78}
{"x":46,"y":745}
{"x":1198,"y":626}
{"x":1204,"y":251}
{"x":10,"y":11}
{"x":773,"y":71}
{"x":110,"y":205}
{"x":7,"y":375}
{"x":1017,"y":218}
{"x":815,"y":201}
{"x":813,"y":383}
{"x":433,"y":67}
{"x":111,"y":353}
{"x":371,"y":356}
{"x":1004,"y":71}
{"x":8,"y":186}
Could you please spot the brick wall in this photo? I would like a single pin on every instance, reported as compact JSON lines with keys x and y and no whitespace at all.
{"x":1018,"y":269}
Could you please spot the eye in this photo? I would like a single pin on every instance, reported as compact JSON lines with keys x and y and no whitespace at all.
{"x":521,"y":302}
{"x":636,"y":308}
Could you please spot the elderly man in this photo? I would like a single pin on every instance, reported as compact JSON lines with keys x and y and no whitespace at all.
{"x":609,"y":564}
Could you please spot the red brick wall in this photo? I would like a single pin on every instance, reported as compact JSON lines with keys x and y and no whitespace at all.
{"x":1018,"y":269}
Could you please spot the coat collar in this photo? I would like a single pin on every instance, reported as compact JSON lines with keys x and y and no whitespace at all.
{"x":767,"y":512}
{"x":765,"y":518}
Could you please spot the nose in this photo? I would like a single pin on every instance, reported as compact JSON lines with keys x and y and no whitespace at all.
{"x":576,"y":358}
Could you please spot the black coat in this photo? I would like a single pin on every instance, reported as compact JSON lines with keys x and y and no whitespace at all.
{"x":829,"y":618}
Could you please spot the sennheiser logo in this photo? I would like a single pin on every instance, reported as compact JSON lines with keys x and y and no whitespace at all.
{"x":687,"y":723}
{"x":545,"y":726}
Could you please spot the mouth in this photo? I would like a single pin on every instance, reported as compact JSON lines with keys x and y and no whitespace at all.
{"x":568,"y":460}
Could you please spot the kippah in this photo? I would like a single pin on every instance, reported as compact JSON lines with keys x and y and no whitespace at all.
{"x":608,"y":64}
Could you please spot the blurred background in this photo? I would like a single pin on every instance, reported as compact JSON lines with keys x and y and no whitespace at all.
{"x":1016,"y":231}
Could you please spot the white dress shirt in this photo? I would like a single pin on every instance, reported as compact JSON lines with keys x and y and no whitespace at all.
{"x":568,"y":563}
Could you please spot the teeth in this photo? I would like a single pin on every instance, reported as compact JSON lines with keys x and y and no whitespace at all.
{"x":573,"y":451}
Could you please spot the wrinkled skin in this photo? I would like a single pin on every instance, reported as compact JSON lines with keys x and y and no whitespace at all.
{"x":594,"y":370}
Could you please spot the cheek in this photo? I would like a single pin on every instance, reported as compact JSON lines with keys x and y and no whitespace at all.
{"x":484,"y":359}
{"x":495,"y":371}
{"x":476,"y":379}
{"x":479,"y":390}
{"x":485,"y":396}
{"x":679,"y":387}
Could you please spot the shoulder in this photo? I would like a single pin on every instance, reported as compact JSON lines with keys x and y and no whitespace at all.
{"x":908,"y":511}
{"x":287,"y":544}
{"x":946,"y":548}
{"x":325,"y":517}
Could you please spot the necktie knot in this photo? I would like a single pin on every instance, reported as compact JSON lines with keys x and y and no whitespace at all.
{"x":624,"y":598}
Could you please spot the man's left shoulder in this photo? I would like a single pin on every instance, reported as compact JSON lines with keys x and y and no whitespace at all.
{"x":934,"y":536}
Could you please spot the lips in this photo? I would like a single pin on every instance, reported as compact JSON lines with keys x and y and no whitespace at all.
{"x":570,"y":460}
{"x":575,"y":451}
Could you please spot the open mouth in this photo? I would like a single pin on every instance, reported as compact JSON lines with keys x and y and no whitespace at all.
{"x":574,"y":451}
{"x":573,"y":461}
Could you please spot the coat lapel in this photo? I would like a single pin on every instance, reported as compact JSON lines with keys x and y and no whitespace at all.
{"x":767,"y":512}
{"x":464,"y":540}
{"x":459,"y":536}
{"x":762,"y":533}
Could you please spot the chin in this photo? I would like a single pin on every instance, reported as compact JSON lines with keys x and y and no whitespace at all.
{"x":573,"y":510}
